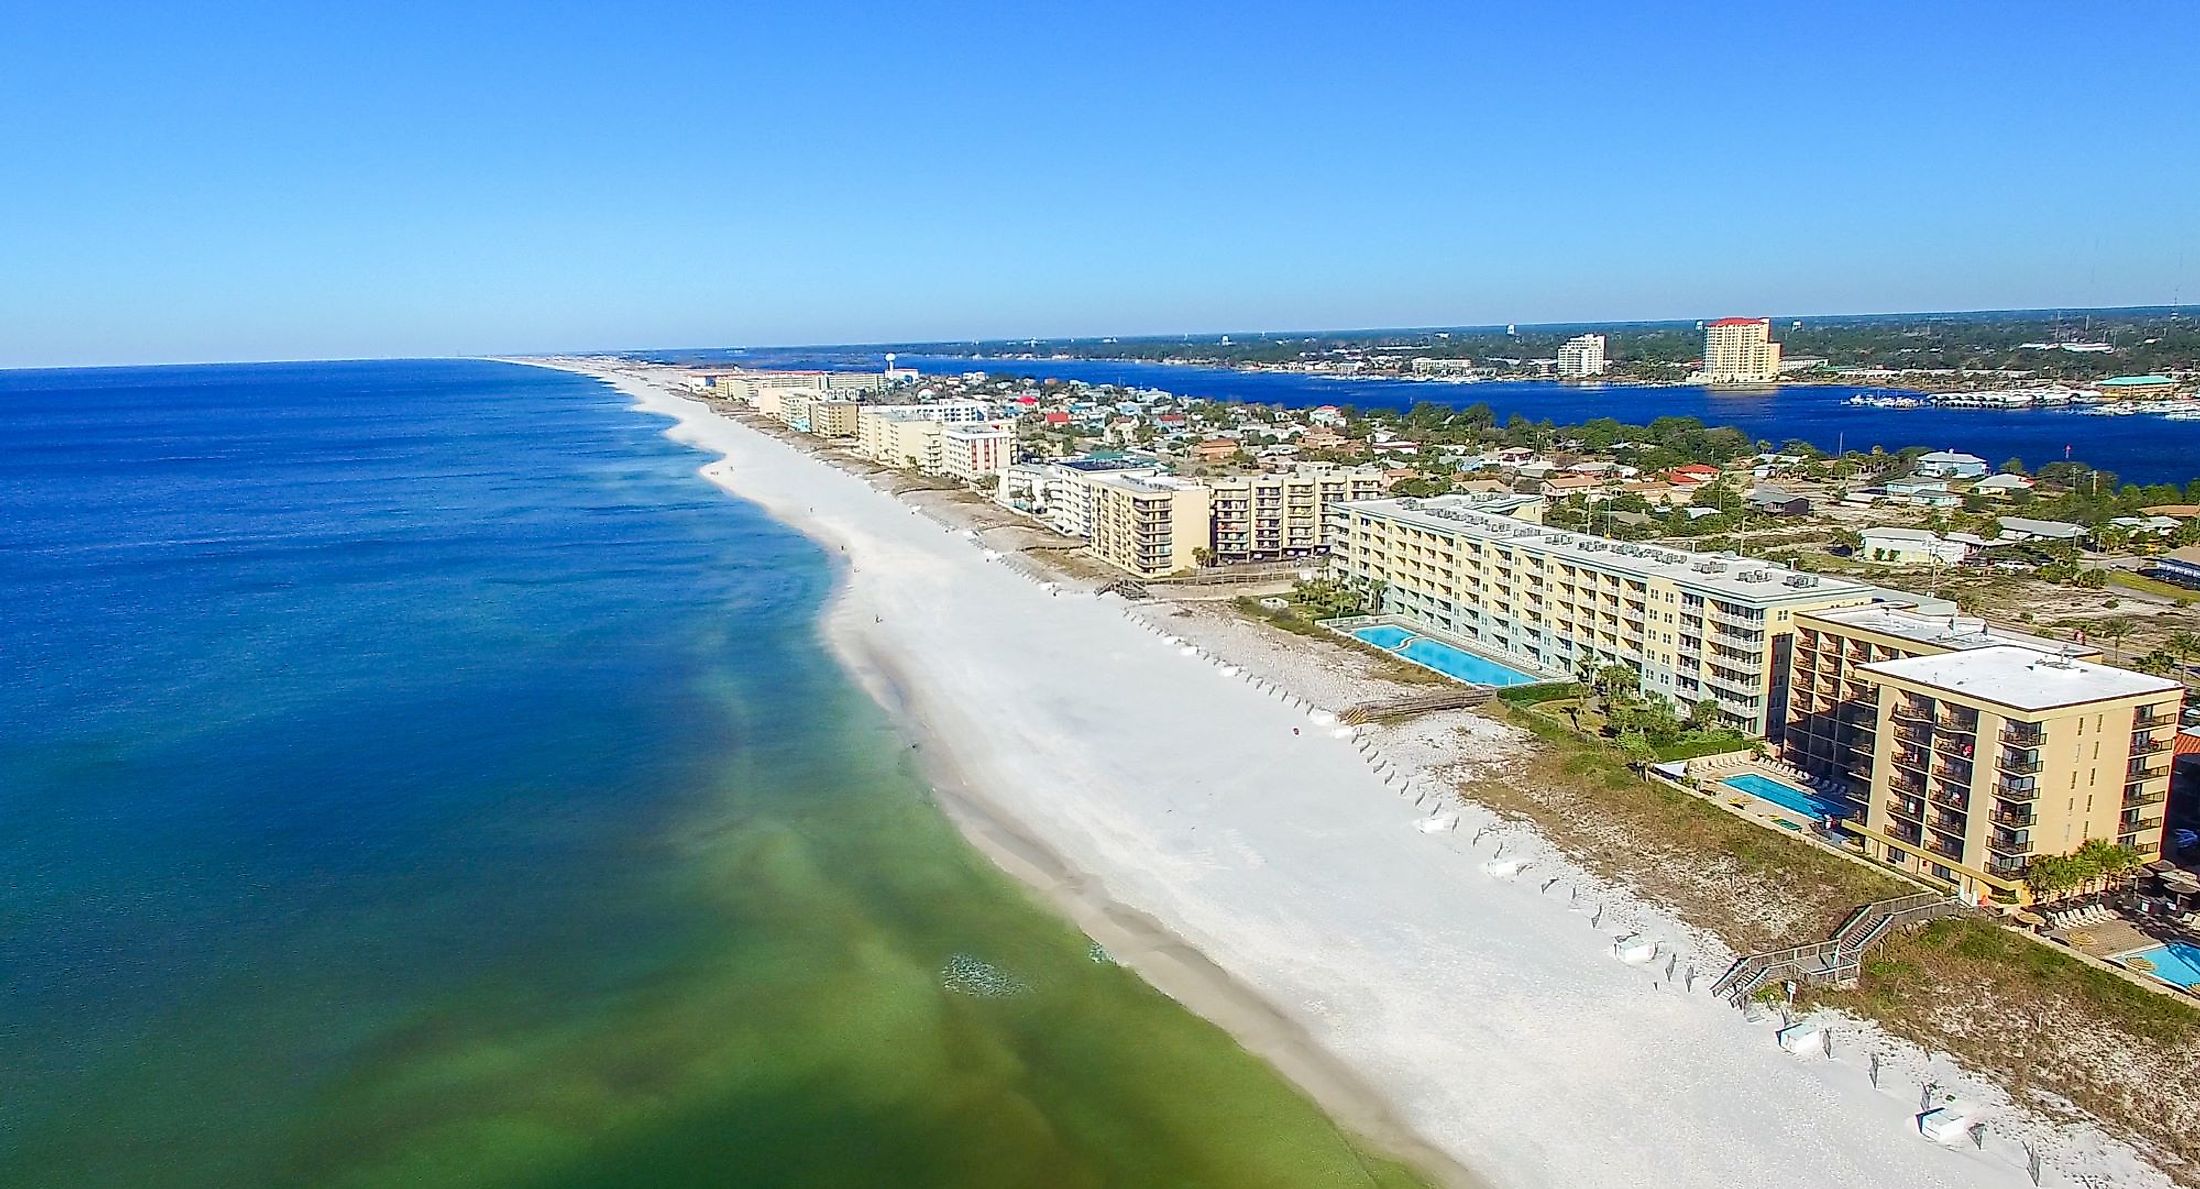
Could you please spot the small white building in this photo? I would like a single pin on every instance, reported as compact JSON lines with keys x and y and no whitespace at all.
{"x":1950,"y":464}
{"x":2002,"y":486}
{"x":1910,"y":546}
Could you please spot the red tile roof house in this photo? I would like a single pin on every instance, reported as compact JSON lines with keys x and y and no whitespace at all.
{"x":1214,"y":450}
{"x":1694,"y":474}
{"x":1057,"y":417}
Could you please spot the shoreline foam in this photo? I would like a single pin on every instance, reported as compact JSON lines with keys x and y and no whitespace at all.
{"x":1465,"y":1007}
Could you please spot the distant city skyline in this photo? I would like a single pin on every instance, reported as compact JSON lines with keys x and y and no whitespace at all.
{"x":494,"y":181}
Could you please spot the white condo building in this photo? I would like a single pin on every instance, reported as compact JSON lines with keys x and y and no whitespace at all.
{"x":1581,"y":357}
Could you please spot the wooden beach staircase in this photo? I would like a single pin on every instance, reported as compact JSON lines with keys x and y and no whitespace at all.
{"x":1840,"y":958}
{"x":1458,"y":698}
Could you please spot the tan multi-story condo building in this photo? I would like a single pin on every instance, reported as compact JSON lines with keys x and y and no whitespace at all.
{"x":1060,"y":492}
{"x":1271,"y":517}
{"x":1740,"y":351}
{"x":974,"y":452}
{"x":749,"y":387}
{"x":811,"y":412}
{"x":1481,"y":570}
{"x":909,"y":435}
{"x":1984,"y":759}
{"x":1832,"y":724}
{"x":1149,"y":527}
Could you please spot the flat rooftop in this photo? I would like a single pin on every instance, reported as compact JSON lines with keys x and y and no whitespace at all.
{"x":1487,"y":517}
{"x":2022,"y":678}
{"x":1957,"y":633}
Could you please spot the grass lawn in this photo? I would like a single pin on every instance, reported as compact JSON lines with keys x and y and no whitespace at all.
{"x":2152,"y":586}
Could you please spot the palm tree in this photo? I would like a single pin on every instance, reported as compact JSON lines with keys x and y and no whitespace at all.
{"x":2115,"y":631}
{"x":2184,"y":646}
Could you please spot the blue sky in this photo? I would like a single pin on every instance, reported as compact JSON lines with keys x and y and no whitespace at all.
{"x":258,"y":181}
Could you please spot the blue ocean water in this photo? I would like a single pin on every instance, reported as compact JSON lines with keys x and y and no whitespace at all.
{"x":2138,"y":449}
{"x":413,"y":774}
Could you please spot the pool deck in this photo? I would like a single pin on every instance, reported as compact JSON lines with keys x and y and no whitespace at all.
{"x":1712,"y":777}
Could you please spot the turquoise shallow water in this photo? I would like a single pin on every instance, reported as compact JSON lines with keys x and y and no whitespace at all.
{"x":413,"y":774}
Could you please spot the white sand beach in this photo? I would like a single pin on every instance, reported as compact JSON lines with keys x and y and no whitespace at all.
{"x":1403,"y":971}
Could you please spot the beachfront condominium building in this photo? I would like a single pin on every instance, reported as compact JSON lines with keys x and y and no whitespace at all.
{"x":974,"y":452}
{"x":1985,"y":759}
{"x":1061,"y":493}
{"x":1276,"y":516}
{"x":1149,"y":527}
{"x":811,"y":412}
{"x":1833,"y":722}
{"x":909,"y":435}
{"x":749,"y":387}
{"x":1740,"y":351}
{"x":1696,"y":626}
{"x":1581,"y":357}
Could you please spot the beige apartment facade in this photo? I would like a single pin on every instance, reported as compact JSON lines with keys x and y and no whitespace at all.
{"x":975,"y":453}
{"x":1832,"y":725}
{"x":1149,"y":527}
{"x":898,"y":441}
{"x":1740,"y":351}
{"x":1553,"y":602}
{"x":1278,"y":516}
{"x":1984,"y":759}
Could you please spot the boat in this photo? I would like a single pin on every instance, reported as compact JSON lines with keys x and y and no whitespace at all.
{"x":1878,"y":401}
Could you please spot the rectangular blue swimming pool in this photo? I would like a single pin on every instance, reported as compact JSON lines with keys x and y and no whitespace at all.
{"x":1455,"y":663}
{"x":1808,"y":802}
{"x":2177,"y":963}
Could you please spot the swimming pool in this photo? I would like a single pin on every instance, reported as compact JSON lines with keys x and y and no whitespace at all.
{"x":1810,"y":803}
{"x":2177,"y":963}
{"x":1384,"y":635}
{"x":1455,"y":663}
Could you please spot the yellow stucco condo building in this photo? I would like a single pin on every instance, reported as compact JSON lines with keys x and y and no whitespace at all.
{"x":1833,"y":719}
{"x":1480,"y":570}
{"x":1149,"y":527}
{"x":1271,"y":517}
{"x":1986,"y":758}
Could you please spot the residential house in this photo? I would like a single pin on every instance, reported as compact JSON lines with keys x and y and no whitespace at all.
{"x":1950,"y":464}
{"x":1910,"y":546}
{"x":1777,"y":501}
{"x":2019,"y":528}
{"x":2002,"y":486}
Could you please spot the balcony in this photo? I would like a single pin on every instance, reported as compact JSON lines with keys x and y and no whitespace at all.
{"x":1907,"y":809}
{"x":1907,"y":711}
{"x":2149,"y":719}
{"x":2013,"y":818}
{"x":1957,"y":722}
{"x":2142,"y":745}
{"x":1914,"y":735}
{"x":2023,"y":735}
{"x":2139,"y":795}
{"x":2025,"y":789}
{"x":2013,"y":845}
{"x":1955,"y":799}
{"x":2138,"y":772}
{"x":2019,"y":763}
{"x":1961,"y":746}
{"x":1912,"y":835}
{"x":1914,"y":759}
{"x":2131,"y":823}
{"x":1905,"y":782}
